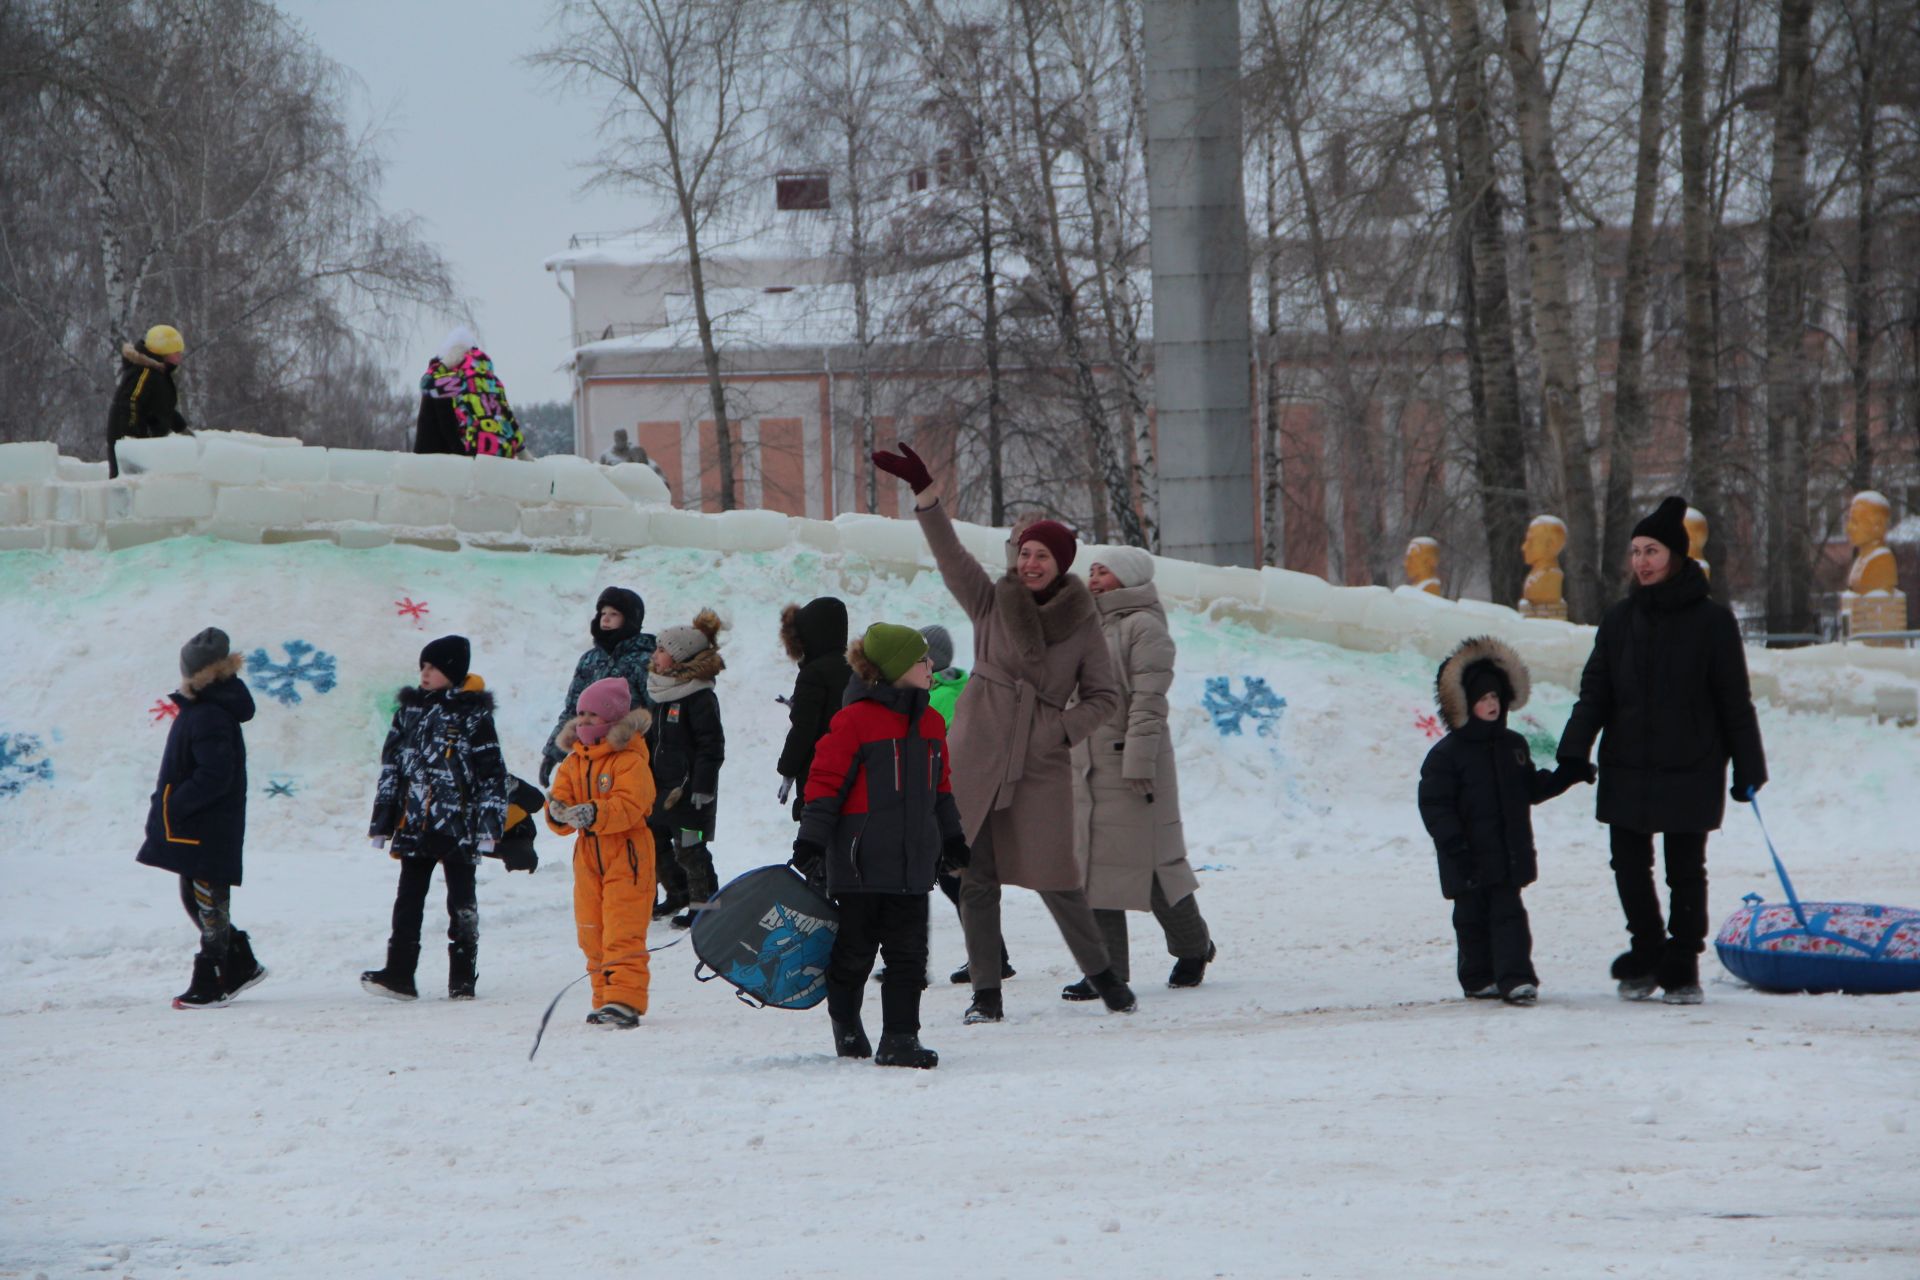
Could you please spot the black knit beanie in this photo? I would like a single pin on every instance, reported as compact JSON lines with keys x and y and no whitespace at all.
{"x":1668,"y":525}
{"x":1484,"y":677}
{"x":450,"y":656}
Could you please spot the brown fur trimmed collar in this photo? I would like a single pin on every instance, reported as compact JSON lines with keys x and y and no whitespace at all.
{"x":228,"y":666}
{"x":628,"y":727}
{"x":1036,"y":627}
{"x":1450,"y":683}
{"x":704,"y":665}
{"x":790,"y":633}
{"x":134,"y":355}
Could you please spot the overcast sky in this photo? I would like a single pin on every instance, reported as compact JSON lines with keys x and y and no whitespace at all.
{"x":486,"y":154}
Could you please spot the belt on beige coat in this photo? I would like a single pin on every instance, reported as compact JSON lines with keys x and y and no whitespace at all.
{"x":1025,"y":695}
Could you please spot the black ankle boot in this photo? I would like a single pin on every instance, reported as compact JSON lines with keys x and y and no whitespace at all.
{"x":1191,"y":971}
{"x":903,"y":1049}
{"x":850,"y":1039}
{"x":1117,"y":994}
{"x":395,"y":982}
{"x":240,"y":970}
{"x":204,"y":992}
{"x":463,"y":971}
{"x":985,"y":1007}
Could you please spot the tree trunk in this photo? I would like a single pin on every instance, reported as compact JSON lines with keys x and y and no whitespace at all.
{"x":710,"y":356}
{"x":1699,"y":274}
{"x":1629,"y":377}
{"x":1867,"y":163}
{"x":1789,"y":570}
{"x":1500,"y":451}
{"x":990,"y":338}
{"x":1552,"y":307}
{"x":1273,"y":513}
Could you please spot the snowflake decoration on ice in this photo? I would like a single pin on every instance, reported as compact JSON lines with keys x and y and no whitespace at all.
{"x":1260,"y":703}
{"x":280,"y":787}
{"x":411,"y":608}
{"x":281,"y":680}
{"x":163,"y":709}
{"x":23,"y":759}
{"x":1426,"y":723}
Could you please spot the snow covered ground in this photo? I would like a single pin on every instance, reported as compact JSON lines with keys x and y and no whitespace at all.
{"x":1324,"y":1106}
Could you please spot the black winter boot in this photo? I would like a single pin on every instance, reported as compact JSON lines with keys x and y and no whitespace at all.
{"x":1117,"y":994}
{"x":395,"y":982}
{"x":1680,"y":973}
{"x":463,"y":970}
{"x":204,"y":992}
{"x":985,"y":1007}
{"x":1190,"y":971}
{"x":240,"y":970}
{"x":1637,"y":970}
{"x":850,"y":1040}
{"x":671,"y":905}
{"x":903,"y":1049}
{"x":963,"y":975}
{"x":1081,"y":990}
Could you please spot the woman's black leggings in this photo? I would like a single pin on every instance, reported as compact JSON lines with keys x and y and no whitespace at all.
{"x":1686,"y":920}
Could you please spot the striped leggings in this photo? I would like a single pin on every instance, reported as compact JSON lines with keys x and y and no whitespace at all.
{"x":208,"y":906}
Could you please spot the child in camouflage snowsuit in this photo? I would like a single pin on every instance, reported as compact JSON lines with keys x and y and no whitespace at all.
{"x":441,"y":801}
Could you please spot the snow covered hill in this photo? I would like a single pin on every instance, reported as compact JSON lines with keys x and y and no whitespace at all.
{"x":1322,"y":1106}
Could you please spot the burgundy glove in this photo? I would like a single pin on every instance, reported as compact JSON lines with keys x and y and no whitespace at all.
{"x":906,"y":465}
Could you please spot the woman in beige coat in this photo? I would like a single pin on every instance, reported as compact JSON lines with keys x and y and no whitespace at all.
{"x":1036,"y":639}
{"x":1126,"y":792}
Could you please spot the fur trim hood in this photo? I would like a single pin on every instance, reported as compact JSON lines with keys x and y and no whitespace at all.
{"x":1450,"y":684}
{"x":1035,"y":627}
{"x":815,"y":629}
{"x":632,"y":725}
{"x":704,"y":665}
{"x":862,"y":665}
{"x":135,"y":355}
{"x":191,"y":687}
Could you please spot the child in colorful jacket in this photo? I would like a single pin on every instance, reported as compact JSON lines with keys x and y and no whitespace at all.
{"x":603,"y":792}
{"x":441,"y":801}
{"x":687,"y":746}
{"x":881,"y":820}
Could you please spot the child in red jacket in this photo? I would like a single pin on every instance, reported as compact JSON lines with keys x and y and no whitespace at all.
{"x":879,"y":823}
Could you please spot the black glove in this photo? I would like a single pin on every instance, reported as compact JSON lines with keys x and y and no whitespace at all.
{"x":546,"y":771}
{"x":810,"y":860}
{"x":520,"y":858}
{"x":1574,"y":771}
{"x":1745,"y":792}
{"x":954,"y":855}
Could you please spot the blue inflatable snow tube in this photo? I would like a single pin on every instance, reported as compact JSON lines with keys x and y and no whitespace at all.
{"x":1855,"y":947}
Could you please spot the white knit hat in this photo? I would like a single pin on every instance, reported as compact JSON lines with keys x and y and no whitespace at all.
{"x":1131,"y":565}
{"x":457,"y":343}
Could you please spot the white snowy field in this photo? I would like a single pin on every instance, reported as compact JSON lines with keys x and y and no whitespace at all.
{"x":1325,"y":1105}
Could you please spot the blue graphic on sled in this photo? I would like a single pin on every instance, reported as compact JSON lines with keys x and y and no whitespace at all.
{"x":770,"y":935}
{"x":281,"y":680}
{"x":1261,"y":704}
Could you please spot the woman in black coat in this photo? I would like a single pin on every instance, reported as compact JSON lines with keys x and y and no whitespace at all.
{"x":197,"y":819}
{"x":815,"y":636}
{"x":1666,"y":693}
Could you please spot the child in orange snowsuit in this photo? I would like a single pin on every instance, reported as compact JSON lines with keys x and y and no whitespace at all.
{"x":603,"y":790}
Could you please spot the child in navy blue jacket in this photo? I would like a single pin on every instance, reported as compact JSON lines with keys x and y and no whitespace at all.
{"x":1477,"y":788}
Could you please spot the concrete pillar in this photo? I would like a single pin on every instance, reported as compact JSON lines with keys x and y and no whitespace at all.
{"x":1201,"y":341}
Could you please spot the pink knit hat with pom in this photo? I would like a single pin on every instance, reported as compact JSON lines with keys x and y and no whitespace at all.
{"x":609,"y":699}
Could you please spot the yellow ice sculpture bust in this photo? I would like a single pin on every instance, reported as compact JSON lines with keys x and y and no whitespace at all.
{"x":1423,"y":565}
{"x":1697,"y":539}
{"x":1873,"y":600}
{"x":1540,"y":594}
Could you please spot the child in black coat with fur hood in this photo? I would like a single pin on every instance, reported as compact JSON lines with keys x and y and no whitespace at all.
{"x":687,"y":745}
{"x":1477,"y":788}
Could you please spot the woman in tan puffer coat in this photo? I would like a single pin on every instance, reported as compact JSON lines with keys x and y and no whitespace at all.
{"x":1126,"y":790}
{"x":1036,"y":640}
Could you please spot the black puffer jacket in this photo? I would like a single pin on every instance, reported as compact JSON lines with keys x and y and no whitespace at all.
{"x":686,"y":745}
{"x":197,"y":819}
{"x":443,"y":785}
{"x":1479,"y":783}
{"x":815,"y":636}
{"x":1666,"y":693}
{"x":145,"y":402}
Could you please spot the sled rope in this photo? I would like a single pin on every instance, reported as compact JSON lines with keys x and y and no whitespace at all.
{"x":1793,"y":899}
{"x":547,"y":1017}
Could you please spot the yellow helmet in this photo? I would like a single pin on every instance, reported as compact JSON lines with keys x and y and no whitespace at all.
{"x":165,"y":340}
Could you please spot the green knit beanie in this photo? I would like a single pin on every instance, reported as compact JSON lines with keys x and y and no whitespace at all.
{"x":893,"y":649}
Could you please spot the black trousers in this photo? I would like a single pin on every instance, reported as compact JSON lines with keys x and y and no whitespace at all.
{"x":209,"y":906}
{"x":890,"y":924}
{"x":1492,"y":939}
{"x":463,"y":907}
{"x":1686,"y":920}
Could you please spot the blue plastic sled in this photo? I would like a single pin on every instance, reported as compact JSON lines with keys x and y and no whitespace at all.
{"x":770,"y":934}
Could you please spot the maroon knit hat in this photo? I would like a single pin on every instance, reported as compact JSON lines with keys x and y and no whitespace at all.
{"x":1052,"y":535}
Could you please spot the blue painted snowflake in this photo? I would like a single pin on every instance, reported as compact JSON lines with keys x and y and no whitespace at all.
{"x":281,"y":680}
{"x":23,"y":759}
{"x":279,"y":787}
{"x":1227,"y":710}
